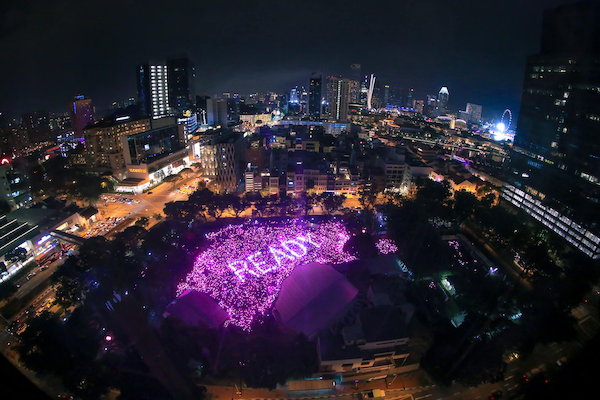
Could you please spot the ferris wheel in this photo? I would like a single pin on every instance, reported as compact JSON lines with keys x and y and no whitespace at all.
{"x":504,"y":124}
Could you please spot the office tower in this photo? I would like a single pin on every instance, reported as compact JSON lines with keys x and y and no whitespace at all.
{"x":354,"y":91}
{"x":432,"y":108}
{"x":37,"y":125}
{"x":408,"y":97}
{"x":386,"y":95}
{"x":14,"y":186}
{"x":474,"y":111}
{"x":315,"y":96}
{"x":82,"y":114}
{"x":233,"y":111}
{"x":181,"y":76}
{"x":153,"y":89}
{"x":338,"y":98}
{"x":103,"y":141}
{"x":443,"y":97}
{"x":294,"y":96}
{"x":217,"y":112}
{"x":419,"y":105}
{"x":557,"y":143}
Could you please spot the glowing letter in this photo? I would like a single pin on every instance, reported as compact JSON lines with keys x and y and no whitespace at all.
{"x":243,"y":267}
{"x":290,"y":244}
{"x":280,"y":255}
{"x":258,"y":264}
{"x":307,"y":239}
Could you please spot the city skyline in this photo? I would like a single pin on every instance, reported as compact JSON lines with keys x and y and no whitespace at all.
{"x":99,"y":62}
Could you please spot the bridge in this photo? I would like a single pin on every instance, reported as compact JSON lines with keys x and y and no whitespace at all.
{"x":67,"y":237}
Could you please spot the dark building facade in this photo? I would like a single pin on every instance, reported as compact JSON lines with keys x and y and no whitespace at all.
{"x":556,"y":162}
{"x":37,"y":125}
{"x":182,"y":84}
{"x":315,"y":96}
{"x":559,"y":120}
{"x":82,"y":114}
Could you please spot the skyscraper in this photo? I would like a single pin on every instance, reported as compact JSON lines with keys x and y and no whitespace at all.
{"x":315,"y":96}
{"x":474,"y":111}
{"x":557,"y":144}
{"x":408,"y":98}
{"x":82,"y":114}
{"x":386,"y":95}
{"x":181,"y":84}
{"x":153,"y":89}
{"x":338,"y":98}
{"x":443,"y":97}
{"x":37,"y":125}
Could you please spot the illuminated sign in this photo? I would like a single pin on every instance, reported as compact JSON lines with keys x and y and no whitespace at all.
{"x":43,"y":239}
{"x":123,"y":118}
{"x":5,"y":161}
{"x":138,"y":170}
{"x":244,"y":266}
{"x":260,"y":263}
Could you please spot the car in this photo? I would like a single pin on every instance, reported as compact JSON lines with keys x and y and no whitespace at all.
{"x":496,"y":395}
{"x":150,"y":192}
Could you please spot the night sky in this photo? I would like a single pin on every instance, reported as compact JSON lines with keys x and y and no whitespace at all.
{"x":53,"y":50}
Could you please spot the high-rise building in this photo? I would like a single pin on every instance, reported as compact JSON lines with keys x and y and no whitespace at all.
{"x":153,"y":89}
{"x":474,"y":111}
{"x":315,"y":96}
{"x":338,"y":98}
{"x":557,"y":144}
{"x":103,"y":141}
{"x":432,"y":108}
{"x":408,"y":98}
{"x":294,"y":96}
{"x":419,"y":106}
{"x":14,"y":185}
{"x":37,"y":125}
{"x":82,"y":114}
{"x":443,"y":97}
{"x":386,"y":95}
{"x":181,"y":76}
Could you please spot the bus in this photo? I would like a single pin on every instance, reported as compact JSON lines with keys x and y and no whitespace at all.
{"x":48,"y":256}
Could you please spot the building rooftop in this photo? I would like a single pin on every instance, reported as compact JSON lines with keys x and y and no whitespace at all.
{"x":313,"y":297}
{"x":382,"y":323}
{"x":332,"y":347}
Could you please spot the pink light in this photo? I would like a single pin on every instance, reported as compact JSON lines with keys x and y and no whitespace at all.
{"x":244,"y":266}
{"x":386,"y":246}
{"x":108,"y":338}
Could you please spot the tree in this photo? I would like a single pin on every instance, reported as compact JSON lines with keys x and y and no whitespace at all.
{"x":367,"y":198}
{"x":157,"y":216}
{"x":283,"y":204}
{"x":305,"y":202}
{"x":142,"y":221}
{"x":237,"y":205}
{"x":465,"y":204}
{"x":331,"y":202}
{"x":186,"y":172}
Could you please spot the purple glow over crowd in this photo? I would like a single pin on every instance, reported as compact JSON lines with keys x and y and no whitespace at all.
{"x":244,"y":266}
{"x":386,"y":246}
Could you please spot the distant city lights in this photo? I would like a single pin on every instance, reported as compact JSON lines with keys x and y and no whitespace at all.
{"x":244,"y":266}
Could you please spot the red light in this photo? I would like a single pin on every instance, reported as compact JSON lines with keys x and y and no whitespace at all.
{"x":5,"y":161}
{"x":546,"y":381}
